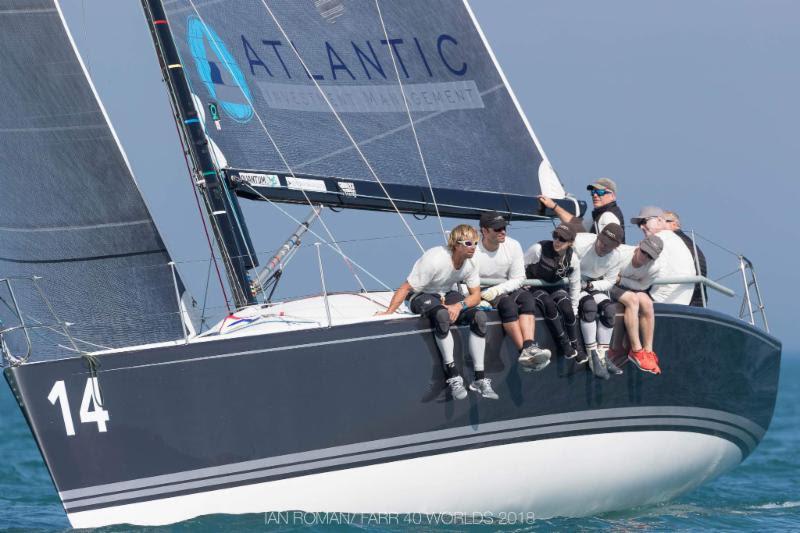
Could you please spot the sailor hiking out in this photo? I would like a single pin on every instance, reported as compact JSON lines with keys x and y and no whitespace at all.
{"x":500,"y":257}
{"x":636,"y":277}
{"x":550,"y":261}
{"x":430,"y":290}
{"x":600,"y":260}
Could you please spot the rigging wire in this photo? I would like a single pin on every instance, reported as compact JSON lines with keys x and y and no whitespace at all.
{"x":318,"y":236}
{"x":411,"y":121}
{"x":344,"y":127}
{"x":283,"y":159}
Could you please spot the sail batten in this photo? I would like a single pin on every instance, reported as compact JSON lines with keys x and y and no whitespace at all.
{"x":326,"y":91}
{"x":84,"y":256}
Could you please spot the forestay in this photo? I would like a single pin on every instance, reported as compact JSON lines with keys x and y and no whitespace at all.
{"x":257,"y":66}
{"x":70,"y":211}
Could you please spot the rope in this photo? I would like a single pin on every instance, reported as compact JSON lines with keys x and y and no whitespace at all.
{"x":344,"y":127}
{"x":282,"y":157}
{"x":411,"y":122}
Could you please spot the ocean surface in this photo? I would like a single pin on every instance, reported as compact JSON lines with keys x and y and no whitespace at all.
{"x":761,"y":494}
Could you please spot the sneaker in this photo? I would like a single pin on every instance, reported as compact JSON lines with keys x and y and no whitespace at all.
{"x":643,"y":361}
{"x":582,"y":357}
{"x":484,"y":387}
{"x":569,"y":350}
{"x":457,"y":388}
{"x":611,"y":367}
{"x":654,"y":358}
{"x":534,"y":357}
{"x":597,"y":365}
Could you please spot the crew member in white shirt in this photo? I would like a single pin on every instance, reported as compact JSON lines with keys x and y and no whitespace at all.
{"x":675,"y":260}
{"x":601,"y":261}
{"x":636,"y":277}
{"x":551,"y":261}
{"x":430,"y":290}
{"x":500,"y":257}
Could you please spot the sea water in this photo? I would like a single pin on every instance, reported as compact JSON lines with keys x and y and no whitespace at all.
{"x":763,"y":493}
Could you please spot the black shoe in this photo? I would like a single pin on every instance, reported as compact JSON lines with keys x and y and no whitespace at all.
{"x":597,"y":366}
{"x":611,"y":367}
{"x":582,"y":355}
{"x":568,"y":350}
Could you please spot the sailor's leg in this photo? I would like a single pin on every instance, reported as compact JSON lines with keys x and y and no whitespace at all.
{"x":477,"y":321}
{"x":526,"y":306}
{"x":564,"y":305}
{"x":587,"y":310}
{"x":430,"y":306}
{"x":548,"y":308}
{"x":509,"y":316}
{"x":647,"y":321}
{"x":606,"y":311}
{"x":630,"y":300}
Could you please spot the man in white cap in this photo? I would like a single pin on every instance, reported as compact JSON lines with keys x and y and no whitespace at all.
{"x":500,"y":257}
{"x":604,"y":200}
{"x":674,"y":261}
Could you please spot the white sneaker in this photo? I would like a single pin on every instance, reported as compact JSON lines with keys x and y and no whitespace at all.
{"x":457,"y":388}
{"x":484,"y":387}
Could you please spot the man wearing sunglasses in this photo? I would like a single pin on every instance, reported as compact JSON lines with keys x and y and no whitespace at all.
{"x":430,"y":291}
{"x":635,"y":279}
{"x":675,"y":260}
{"x":500,"y":257}
{"x":604,"y":200}
{"x":601,"y":261}
{"x":551,"y":261}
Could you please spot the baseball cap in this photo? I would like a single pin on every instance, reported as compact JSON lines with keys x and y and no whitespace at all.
{"x":612,"y":232}
{"x":648,"y":211}
{"x":493,"y":220}
{"x":603,"y":183}
{"x":652,"y":246}
{"x":565,"y":232}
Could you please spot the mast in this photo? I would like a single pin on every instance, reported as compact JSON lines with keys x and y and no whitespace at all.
{"x":222,"y":208}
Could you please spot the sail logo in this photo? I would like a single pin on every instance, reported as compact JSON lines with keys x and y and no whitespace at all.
{"x":219,"y":71}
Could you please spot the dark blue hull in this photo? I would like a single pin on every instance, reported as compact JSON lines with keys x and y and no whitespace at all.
{"x":214,"y":415}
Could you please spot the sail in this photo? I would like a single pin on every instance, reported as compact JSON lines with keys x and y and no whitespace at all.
{"x":70,"y":211}
{"x":316,"y":99}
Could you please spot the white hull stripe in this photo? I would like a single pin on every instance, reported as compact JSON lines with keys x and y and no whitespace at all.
{"x":733,"y":426}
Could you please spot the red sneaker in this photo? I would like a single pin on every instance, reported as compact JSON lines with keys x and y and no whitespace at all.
{"x":643,"y":361}
{"x":654,"y":358}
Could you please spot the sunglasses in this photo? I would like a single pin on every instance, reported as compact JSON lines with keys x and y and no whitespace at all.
{"x":468,"y":244}
{"x":600,"y":192}
{"x":644,"y":221}
{"x":560,"y":238}
{"x":499,"y":230}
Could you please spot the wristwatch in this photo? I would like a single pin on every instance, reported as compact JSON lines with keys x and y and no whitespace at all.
{"x":463,"y":304}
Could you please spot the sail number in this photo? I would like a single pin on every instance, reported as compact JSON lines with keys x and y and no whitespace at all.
{"x":91,"y":405}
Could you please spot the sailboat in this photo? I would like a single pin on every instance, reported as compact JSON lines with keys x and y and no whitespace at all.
{"x":145,"y":417}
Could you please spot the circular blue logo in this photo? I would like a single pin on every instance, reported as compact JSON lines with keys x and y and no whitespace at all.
{"x":219,"y":71}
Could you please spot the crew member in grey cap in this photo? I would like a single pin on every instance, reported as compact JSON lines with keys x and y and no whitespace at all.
{"x":635,"y":279}
{"x":551,"y":261}
{"x":604,"y":200}
{"x":675,"y":260}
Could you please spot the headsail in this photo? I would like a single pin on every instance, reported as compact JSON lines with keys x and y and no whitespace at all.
{"x":315,"y":97}
{"x":70,"y":211}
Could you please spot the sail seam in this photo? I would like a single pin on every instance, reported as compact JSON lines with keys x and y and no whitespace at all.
{"x":85,"y":258}
{"x":76,"y":228}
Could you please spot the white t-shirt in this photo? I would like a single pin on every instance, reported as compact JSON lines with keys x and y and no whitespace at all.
{"x":602,"y":270}
{"x":504,"y":263}
{"x":636,"y":278}
{"x":675,"y":260}
{"x":434,"y":272}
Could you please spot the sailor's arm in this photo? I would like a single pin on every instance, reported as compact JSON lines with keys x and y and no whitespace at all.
{"x":560,"y":212}
{"x":398,"y":298}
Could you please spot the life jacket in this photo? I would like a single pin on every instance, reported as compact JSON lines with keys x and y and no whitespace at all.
{"x":551,"y":266}
{"x":615,"y":210}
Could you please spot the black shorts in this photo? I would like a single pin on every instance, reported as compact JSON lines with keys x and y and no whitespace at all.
{"x":617,"y":291}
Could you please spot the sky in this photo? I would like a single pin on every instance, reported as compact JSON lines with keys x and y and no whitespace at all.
{"x":691,"y":105}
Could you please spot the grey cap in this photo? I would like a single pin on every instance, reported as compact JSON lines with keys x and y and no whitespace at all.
{"x":648,"y":211}
{"x":603,"y":183}
{"x":652,"y":246}
{"x":612,"y":232}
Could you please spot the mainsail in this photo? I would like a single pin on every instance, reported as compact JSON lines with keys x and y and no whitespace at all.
{"x":70,"y":211}
{"x":310,"y":100}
